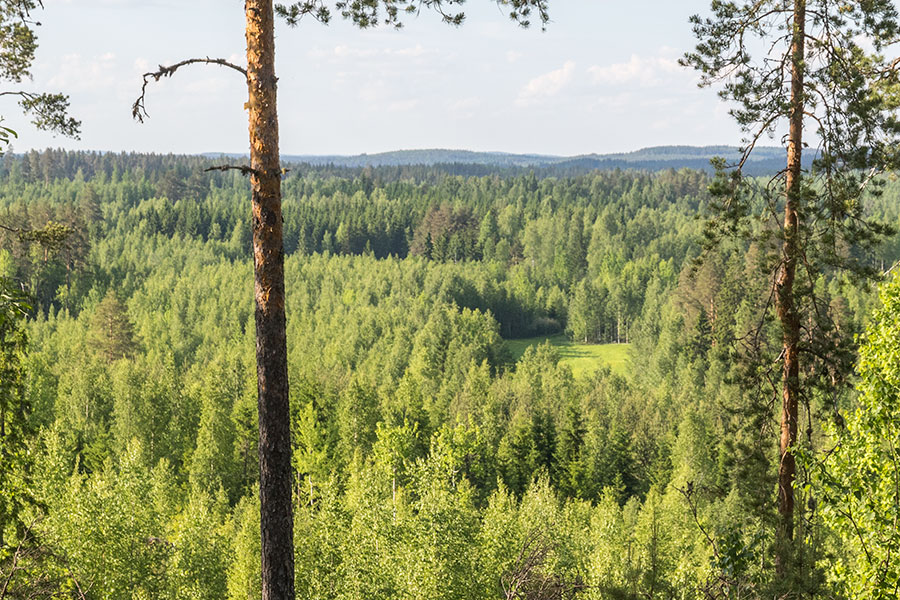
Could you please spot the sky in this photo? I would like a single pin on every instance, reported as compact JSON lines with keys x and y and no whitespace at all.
{"x":602,"y":78}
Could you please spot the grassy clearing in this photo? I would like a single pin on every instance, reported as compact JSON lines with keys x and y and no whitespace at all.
{"x":581,"y":358}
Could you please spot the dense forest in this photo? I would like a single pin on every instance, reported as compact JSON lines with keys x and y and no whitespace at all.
{"x":428,"y":462}
{"x":766,"y":160}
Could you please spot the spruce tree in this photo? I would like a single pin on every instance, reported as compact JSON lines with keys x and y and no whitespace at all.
{"x":14,"y":406}
{"x":111,"y":334}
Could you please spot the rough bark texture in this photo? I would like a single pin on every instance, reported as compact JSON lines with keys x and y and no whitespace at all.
{"x":784,"y":297}
{"x":276,"y":519}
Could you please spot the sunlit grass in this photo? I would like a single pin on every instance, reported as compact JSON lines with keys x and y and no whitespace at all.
{"x":583,"y":359}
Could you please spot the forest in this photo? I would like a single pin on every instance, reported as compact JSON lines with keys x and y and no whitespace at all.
{"x":441,"y":374}
{"x":426,"y":460}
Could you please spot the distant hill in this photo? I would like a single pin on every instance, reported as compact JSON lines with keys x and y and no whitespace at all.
{"x":399,"y":158}
{"x":765,"y":160}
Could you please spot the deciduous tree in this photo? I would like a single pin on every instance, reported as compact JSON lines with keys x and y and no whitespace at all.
{"x":861,"y":480}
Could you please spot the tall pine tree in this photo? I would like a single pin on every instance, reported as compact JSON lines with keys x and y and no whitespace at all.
{"x":268,"y":246}
{"x":814,"y":69}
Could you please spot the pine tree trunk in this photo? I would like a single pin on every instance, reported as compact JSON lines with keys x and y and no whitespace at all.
{"x":276,"y":519}
{"x":784,"y":298}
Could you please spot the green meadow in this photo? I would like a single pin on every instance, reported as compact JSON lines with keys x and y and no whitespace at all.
{"x":583,"y":359}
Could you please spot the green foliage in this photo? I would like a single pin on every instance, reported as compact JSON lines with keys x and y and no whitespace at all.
{"x":5,"y":135}
{"x":15,"y":412}
{"x":243,"y":573}
{"x":112,"y":527}
{"x":432,"y":444}
{"x":198,"y":562}
{"x":858,"y":484}
{"x":214,"y":464}
{"x":111,"y":335}
{"x":18,"y":44}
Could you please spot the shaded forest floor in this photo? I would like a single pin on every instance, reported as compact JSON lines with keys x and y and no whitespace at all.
{"x":583,"y":359}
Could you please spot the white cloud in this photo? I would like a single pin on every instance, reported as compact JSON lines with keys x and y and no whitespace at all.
{"x":644,"y":71}
{"x":77,"y":73}
{"x":512,"y":56}
{"x":403,"y":105}
{"x":413,"y":52}
{"x":345,"y":52}
{"x":614,"y":102}
{"x":373,"y":92}
{"x":464,"y":108}
{"x":546,"y":85}
{"x":464,"y":104}
{"x":208,"y":87}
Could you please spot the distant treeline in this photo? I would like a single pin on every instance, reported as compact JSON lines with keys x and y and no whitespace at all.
{"x":617,"y":230}
{"x":419,"y":165}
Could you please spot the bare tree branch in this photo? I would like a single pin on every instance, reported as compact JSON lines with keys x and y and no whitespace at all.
{"x":137,"y":109}
{"x":526,"y":580}
{"x":23,"y":94}
{"x":244,"y":169}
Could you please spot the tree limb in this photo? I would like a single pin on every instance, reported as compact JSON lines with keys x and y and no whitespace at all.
{"x":137,"y":109}
{"x":23,"y":94}
{"x":688,"y":493}
{"x":15,"y":560}
{"x":244,"y":169}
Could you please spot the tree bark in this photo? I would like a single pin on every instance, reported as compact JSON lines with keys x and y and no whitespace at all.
{"x":276,"y":518}
{"x":784,"y":296}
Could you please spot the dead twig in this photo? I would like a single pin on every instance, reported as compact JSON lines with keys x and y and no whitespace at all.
{"x":138,"y":111}
{"x":244,"y":169}
{"x":526,"y":580}
{"x":688,"y":493}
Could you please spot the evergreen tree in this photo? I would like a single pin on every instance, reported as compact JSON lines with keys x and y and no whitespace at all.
{"x":816,"y":72}
{"x":14,"y":408}
{"x":18,"y":44}
{"x":111,"y":334}
{"x":575,"y":257}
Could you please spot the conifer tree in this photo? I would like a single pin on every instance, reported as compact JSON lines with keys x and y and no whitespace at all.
{"x":814,"y":68}
{"x":18,"y":44}
{"x":14,"y":408}
{"x":111,"y":334}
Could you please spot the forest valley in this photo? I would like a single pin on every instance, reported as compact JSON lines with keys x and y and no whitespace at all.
{"x":427,"y":463}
